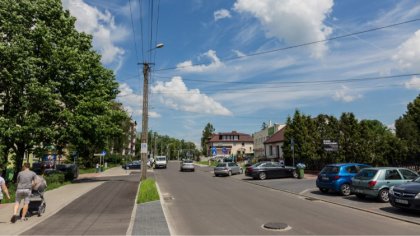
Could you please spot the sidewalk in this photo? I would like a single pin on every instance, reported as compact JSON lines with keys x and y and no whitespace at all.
{"x":56,"y":199}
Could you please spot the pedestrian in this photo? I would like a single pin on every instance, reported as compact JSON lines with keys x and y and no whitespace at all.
{"x":3,"y":189}
{"x":25,"y":182}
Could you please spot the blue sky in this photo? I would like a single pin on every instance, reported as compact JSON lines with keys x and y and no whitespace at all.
{"x":194,"y":82}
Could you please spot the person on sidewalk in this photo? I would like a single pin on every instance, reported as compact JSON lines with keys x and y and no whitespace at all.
{"x":25,"y":181}
{"x":3,"y":189}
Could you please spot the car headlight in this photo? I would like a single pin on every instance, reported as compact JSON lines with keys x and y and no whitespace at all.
{"x":391,"y":190}
{"x":417,"y":196}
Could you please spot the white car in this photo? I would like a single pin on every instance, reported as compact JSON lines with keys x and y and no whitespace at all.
{"x":161,"y":162}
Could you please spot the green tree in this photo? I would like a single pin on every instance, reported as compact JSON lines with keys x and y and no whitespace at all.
{"x":53,"y":90}
{"x":206,"y":135}
{"x":408,"y":128}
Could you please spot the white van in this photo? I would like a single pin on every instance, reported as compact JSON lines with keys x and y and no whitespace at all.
{"x":161,"y":162}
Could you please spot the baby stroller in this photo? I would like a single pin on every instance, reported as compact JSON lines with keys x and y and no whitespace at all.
{"x":37,"y":203}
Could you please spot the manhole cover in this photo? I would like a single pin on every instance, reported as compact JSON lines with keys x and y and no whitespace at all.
{"x":276,"y":226}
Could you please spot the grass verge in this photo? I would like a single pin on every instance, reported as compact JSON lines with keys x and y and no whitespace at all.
{"x":148,"y":191}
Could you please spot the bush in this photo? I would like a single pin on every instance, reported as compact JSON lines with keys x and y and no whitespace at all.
{"x":116,"y":158}
{"x":54,"y":177}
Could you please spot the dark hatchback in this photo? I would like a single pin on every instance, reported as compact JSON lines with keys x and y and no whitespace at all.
{"x":406,"y":196}
{"x":132,"y":165}
{"x":265,"y":170}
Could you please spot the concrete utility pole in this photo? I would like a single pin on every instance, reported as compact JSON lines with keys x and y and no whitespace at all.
{"x":144,"y":128}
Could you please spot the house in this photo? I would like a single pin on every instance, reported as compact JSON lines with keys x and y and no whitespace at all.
{"x":231,"y":143}
{"x":261,"y":136}
{"x":273,"y":146}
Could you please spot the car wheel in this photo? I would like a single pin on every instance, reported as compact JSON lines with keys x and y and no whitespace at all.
{"x":295,"y":174}
{"x":360,"y":196}
{"x":262,"y":176}
{"x":216,"y":175}
{"x":345,"y":189}
{"x":230,"y":173}
{"x":383,"y":195}
{"x":323,"y":190}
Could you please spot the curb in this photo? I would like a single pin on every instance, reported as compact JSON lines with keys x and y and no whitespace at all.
{"x":133,"y":213}
{"x":164,"y":209}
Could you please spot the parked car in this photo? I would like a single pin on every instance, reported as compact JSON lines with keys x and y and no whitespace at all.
{"x":187,"y":165}
{"x":161,"y":162}
{"x":377,"y":181}
{"x":406,"y":196}
{"x":227,"y":168}
{"x":337,"y":177}
{"x":132,"y":165}
{"x":264,"y":170}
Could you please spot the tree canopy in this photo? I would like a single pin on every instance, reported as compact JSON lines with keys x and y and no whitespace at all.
{"x":53,"y":87}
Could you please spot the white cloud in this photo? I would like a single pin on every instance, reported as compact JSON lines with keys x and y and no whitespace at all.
{"x":346,"y":95}
{"x":220,"y":14}
{"x":294,"y":21}
{"x":102,"y":26}
{"x":132,"y":102}
{"x":187,"y":66}
{"x":413,"y":83}
{"x":408,"y":53}
{"x":176,"y":95}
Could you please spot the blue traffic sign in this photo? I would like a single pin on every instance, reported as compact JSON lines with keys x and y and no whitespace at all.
{"x":103,"y":153}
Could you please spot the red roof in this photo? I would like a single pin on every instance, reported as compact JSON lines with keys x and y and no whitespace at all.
{"x":276,"y":137}
{"x":242,"y":137}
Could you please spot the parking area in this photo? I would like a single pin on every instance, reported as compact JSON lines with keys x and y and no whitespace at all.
{"x":306,"y":189}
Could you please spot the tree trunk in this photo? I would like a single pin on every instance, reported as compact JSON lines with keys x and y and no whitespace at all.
{"x":20,"y":154}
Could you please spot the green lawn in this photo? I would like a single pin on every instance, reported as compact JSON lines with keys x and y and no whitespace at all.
{"x":148,"y":191}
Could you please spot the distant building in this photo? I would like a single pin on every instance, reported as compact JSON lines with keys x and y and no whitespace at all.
{"x":261,"y":136}
{"x":232,"y":143}
{"x":273,"y":146}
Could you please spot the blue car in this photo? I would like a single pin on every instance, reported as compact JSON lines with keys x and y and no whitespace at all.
{"x":337,"y":177}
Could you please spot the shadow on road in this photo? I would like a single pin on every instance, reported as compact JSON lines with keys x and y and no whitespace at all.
{"x":401,"y":212}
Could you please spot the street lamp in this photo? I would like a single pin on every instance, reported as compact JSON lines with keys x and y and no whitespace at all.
{"x":143,"y":150}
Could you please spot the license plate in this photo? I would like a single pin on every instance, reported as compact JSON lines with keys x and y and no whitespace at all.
{"x":401,"y":201}
{"x":324,"y":178}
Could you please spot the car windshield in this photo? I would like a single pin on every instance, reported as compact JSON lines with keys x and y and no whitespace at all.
{"x":366,"y":174}
{"x":188,"y":161}
{"x":221,"y":165}
{"x":161,"y":159}
{"x":136,"y":162}
{"x":330,"y":170}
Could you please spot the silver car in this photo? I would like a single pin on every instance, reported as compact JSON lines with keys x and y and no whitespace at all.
{"x":187,"y":165}
{"x":227,"y":168}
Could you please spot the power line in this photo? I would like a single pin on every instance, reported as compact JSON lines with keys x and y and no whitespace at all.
{"x":141,"y":29}
{"x":134,"y":32}
{"x":298,"y":45}
{"x":348,"y":80}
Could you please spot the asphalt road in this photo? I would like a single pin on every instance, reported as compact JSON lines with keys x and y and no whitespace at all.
{"x":196,"y":203}
{"x":105,"y":210}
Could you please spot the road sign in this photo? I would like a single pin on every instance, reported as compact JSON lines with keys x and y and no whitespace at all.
{"x":103,"y":153}
{"x":292,"y":144}
{"x":143,"y":148}
{"x":224,"y":150}
{"x":330,"y":145}
{"x":214,"y":151}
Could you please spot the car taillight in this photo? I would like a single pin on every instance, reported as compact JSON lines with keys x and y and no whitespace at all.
{"x":249,"y":169}
{"x":336,"y":177}
{"x":371,"y":184}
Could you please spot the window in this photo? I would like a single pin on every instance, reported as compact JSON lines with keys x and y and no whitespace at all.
{"x":392,"y":174}
{"x":351,"y":169}
{"x":271,"y":150}
{"x":408,"y":174}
